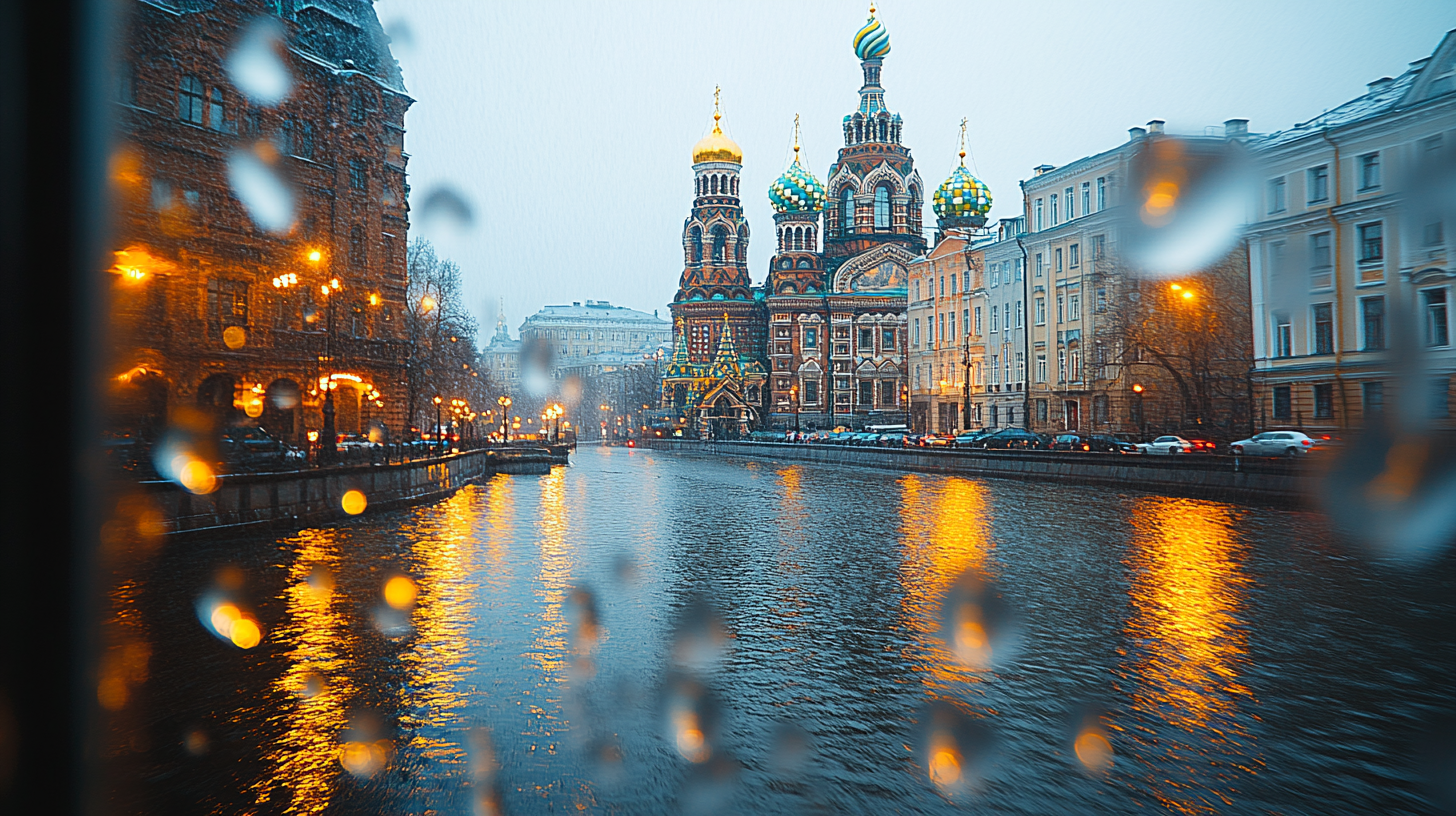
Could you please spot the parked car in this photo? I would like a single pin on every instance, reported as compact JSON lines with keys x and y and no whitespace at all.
{"x":936,"y":441}
{"x":892,"y":440}
{"x":1166,"y":445}
{"x":245,"y":447}
{"x":1104,"y":443}
{"x":865,"y":439}
{"x":1013,"y":439}
{"x":1273,"y":443}
{"x":912,"y":440}
{"x":1070,"y":442}
{"x":967,"y":439}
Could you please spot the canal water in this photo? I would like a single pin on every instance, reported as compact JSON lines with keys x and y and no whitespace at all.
{"x":645,"y":633}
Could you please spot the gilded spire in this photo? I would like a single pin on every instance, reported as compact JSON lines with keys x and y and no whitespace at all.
{"x":717,"y":112}
{"x":715,"y":146}
{"x":963,"y":142}
{"x":796,"y":138}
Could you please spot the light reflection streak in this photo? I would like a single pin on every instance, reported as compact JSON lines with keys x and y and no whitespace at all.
{"x":549,"y":649}
{"x":305,"y":760}
{"x":791,"y":603}
{"x":1187,"y":583}
{"x":441,"y":655}
{"x":944,"y":526}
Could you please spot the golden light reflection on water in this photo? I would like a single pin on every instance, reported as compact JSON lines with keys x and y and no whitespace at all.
{"x":441,"y":655}
{"x":790,"y":603}
{"x":1187,"y":584}
{"x":315,"y":683}
{"x":944,"y":525}
{"x":549,"y":648}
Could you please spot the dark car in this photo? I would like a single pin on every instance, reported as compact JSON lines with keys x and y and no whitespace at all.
{"x":1070,"y":442}
{"x":1093,"y":443}
{"x":244,"y":447}
{"x":1013,"y":439}
{"x":967,"y":439}
{"x":891,"y":440}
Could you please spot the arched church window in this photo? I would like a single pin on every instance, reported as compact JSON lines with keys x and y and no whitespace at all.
{"x":696,"y":240}
{"x":846,"y":216}
{"x":804,"y":263}
{"x":735,"y":185}
{"x":809,"y":242}
{"x":713,"y":185}
{"x":882,"y":207}
{"x":720,"y":244}
{"x":786,"y":264}
{"x":742,"y":248}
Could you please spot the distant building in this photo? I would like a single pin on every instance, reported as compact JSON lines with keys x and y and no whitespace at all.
{"x":502,"y":357}
{"x":222,"y":308}
{"x":581,"y":331}
{"x":1342,"y":259}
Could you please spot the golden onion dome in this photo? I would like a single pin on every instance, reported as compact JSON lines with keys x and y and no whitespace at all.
{"x":715,"y":146}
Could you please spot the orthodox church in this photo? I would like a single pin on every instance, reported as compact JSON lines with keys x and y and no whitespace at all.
{"x":822,"y":342}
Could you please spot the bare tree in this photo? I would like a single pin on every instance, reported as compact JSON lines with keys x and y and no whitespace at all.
{"x":440,"y":352}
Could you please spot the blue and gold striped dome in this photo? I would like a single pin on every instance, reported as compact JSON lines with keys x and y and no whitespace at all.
{"x":873,"y":40}
{"x":962,"y":196}
{"x":796,"y":191}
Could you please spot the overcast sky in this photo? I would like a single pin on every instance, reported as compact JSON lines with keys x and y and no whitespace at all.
{"x":568,"y":126}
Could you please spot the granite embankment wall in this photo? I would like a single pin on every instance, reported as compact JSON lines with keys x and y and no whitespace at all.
{"x":282,"y":501}
{"x":1272,"y":482}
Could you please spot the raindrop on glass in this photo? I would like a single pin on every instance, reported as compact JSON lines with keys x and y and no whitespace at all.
{"x":954,"y":749}
{"x":266,"y":196}
{"x":256,"y":66}
{"x":976,"y":624}
{"x":444,"y":208}
{"x":1189,"y":202}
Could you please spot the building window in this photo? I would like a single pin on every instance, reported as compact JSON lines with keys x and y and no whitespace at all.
{"x":995,"y":319}
{"x":917,"y":332}
{"x":304,"y":145}
{"x":1282,"y":402}
{"x":1372,"y":322}
{"x":1319,"y":183}
{"x":1369,"y":171}
{"x":1432,"y":235}
{"x":1437,"y":329}
{"x":942,"y":328}
{"x":882,"y":208}
{"x":978,"y":321}
{"x":847,"y":211}
{"x":1439,"y":396}
{"x":1020,"y":269}
{"x":358,"y":176}
{"x":1101,"y":300}
{"x":1086,"y":197}
{"x":1038,"y":215}
{"x":1058,"y":255}
{"x":1324,"y":328}
{"x":887,"y":340}
{"x":1099,"y":247}
{"x":811,"y":391}
{"x":1018,"y":314}
{"x":356,"y":108}
{"x":811,"y":338}
{"x":1372,"y":397}
{"x":867,"y":341}
{"x":1074,"y":307}
{"x":356,"y":248}
{"x":215,"y":115}
{"x":1061,"y":365}
{"x":1040,"y":264}
{"x":1278,"y":198}
{"x":1061,"y":310}
{"x":1372,"y":245}
{"x":1320,"y":270}
{"x":1100,"y":413}
{"x":1324,"y":401}
{"x":1041,"y":410}
{"x":966,"y":321}
{"x":867,"y":393}
{"x":889,"y":394}
{"x":1041,"y":311}
{"x":995,"y":275}
{"x":227,"y":304}
{"x":1041,"y":370}
{"x":1101,"y":194}
{"x":1283,"y":335}
{"x":1054,"y":209}
{"x":1074,"y":255}
{"x":1070,"y":203}
{"x":1020,"y":366}
{"x":189,"y":99}
{"x":125,"y":87}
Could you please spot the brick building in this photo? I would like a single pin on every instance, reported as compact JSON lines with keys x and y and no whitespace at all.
{"x":259,"y":241}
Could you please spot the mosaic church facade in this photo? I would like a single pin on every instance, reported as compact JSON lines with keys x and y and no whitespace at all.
{"x":821,"y":343}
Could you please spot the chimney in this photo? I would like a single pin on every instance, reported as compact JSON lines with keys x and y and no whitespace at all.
{"x":1133,"y":134}
{"x":1155,"y":127}
{"x":1235,"y":128}
{"x":1378,"y":84}
{"x":1042,"y":169}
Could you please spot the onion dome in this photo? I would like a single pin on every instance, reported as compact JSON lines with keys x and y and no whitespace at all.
{"x":715,"y":147}
{"x":962,"y":196}
{"x":872,"y":41}
{"x":796,"y":190}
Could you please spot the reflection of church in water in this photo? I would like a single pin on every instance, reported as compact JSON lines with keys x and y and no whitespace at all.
{"x":822,"y":340}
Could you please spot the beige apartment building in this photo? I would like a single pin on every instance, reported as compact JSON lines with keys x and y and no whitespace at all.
{"x":1350,"y":262}
{"x":943,"y":302}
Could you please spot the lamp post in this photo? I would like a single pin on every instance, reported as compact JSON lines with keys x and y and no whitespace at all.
{"x":328,"y":444}
{"x":966,"y":386}
{"x":1137,"y":391}
{"x":794,"y":395}
{"x":505,"y":404}
{"x":437,"y":425}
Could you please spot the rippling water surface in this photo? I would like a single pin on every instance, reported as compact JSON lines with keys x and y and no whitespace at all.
{"x":649,"y":633}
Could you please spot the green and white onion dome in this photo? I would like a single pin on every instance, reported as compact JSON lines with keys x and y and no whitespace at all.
{"x":873,"y":40}
{"x":796,"y":191}
{"x":962,"y":196}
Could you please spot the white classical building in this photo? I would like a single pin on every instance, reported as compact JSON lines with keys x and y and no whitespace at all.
{"x":583,"y":330}
{"x":1349,"y":256}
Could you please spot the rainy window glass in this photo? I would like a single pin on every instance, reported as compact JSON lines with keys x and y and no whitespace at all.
{"x":420,"y":408}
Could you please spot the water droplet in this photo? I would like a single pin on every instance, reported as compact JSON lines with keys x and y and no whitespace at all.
{"x":256,"y":66}
{"x":234,"y":337}
{"x":1394,"y":492}
{"x":444,"y":208}
{"x":582,"y":612}
{"x":401,"y":36}
{"x":792,"y":746}
{"x":1093,"y":750}
{"x":700,"y":638}
{"x":625,"y":569}
{"x":284,"y":395}
{"x":690,"y":718}
{"x":265,"y":195}
{"x":954,"y":749}
{"x":1190,"y":201}
{"x":353,"y":502}
{"x":363,"y":749}
{"x":320,"y":581}
{"x":400,"y":592}
{"x":536,"y":366}
{"x":195,"y":742}
{"x":310,"y":685}
{"x":976,"y":623}
{"x":709,"y":787}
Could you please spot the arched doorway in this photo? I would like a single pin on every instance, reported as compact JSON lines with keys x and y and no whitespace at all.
{"x":280,"y":409}
{"x":215,"y":395}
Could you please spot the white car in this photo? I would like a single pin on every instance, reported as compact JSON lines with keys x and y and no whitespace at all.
{"x":1273,"y":443}
{"x":1166,"y":445}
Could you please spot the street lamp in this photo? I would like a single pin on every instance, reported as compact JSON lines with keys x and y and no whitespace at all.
{"x":438,"y":444}
{"x":329,"y":445}
{"x":505,"y":404}
{"x":794,"y":395}
{"x":1142,"y":423}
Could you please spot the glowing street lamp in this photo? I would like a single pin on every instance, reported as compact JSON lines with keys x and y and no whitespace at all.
{"x":439,"y":442}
